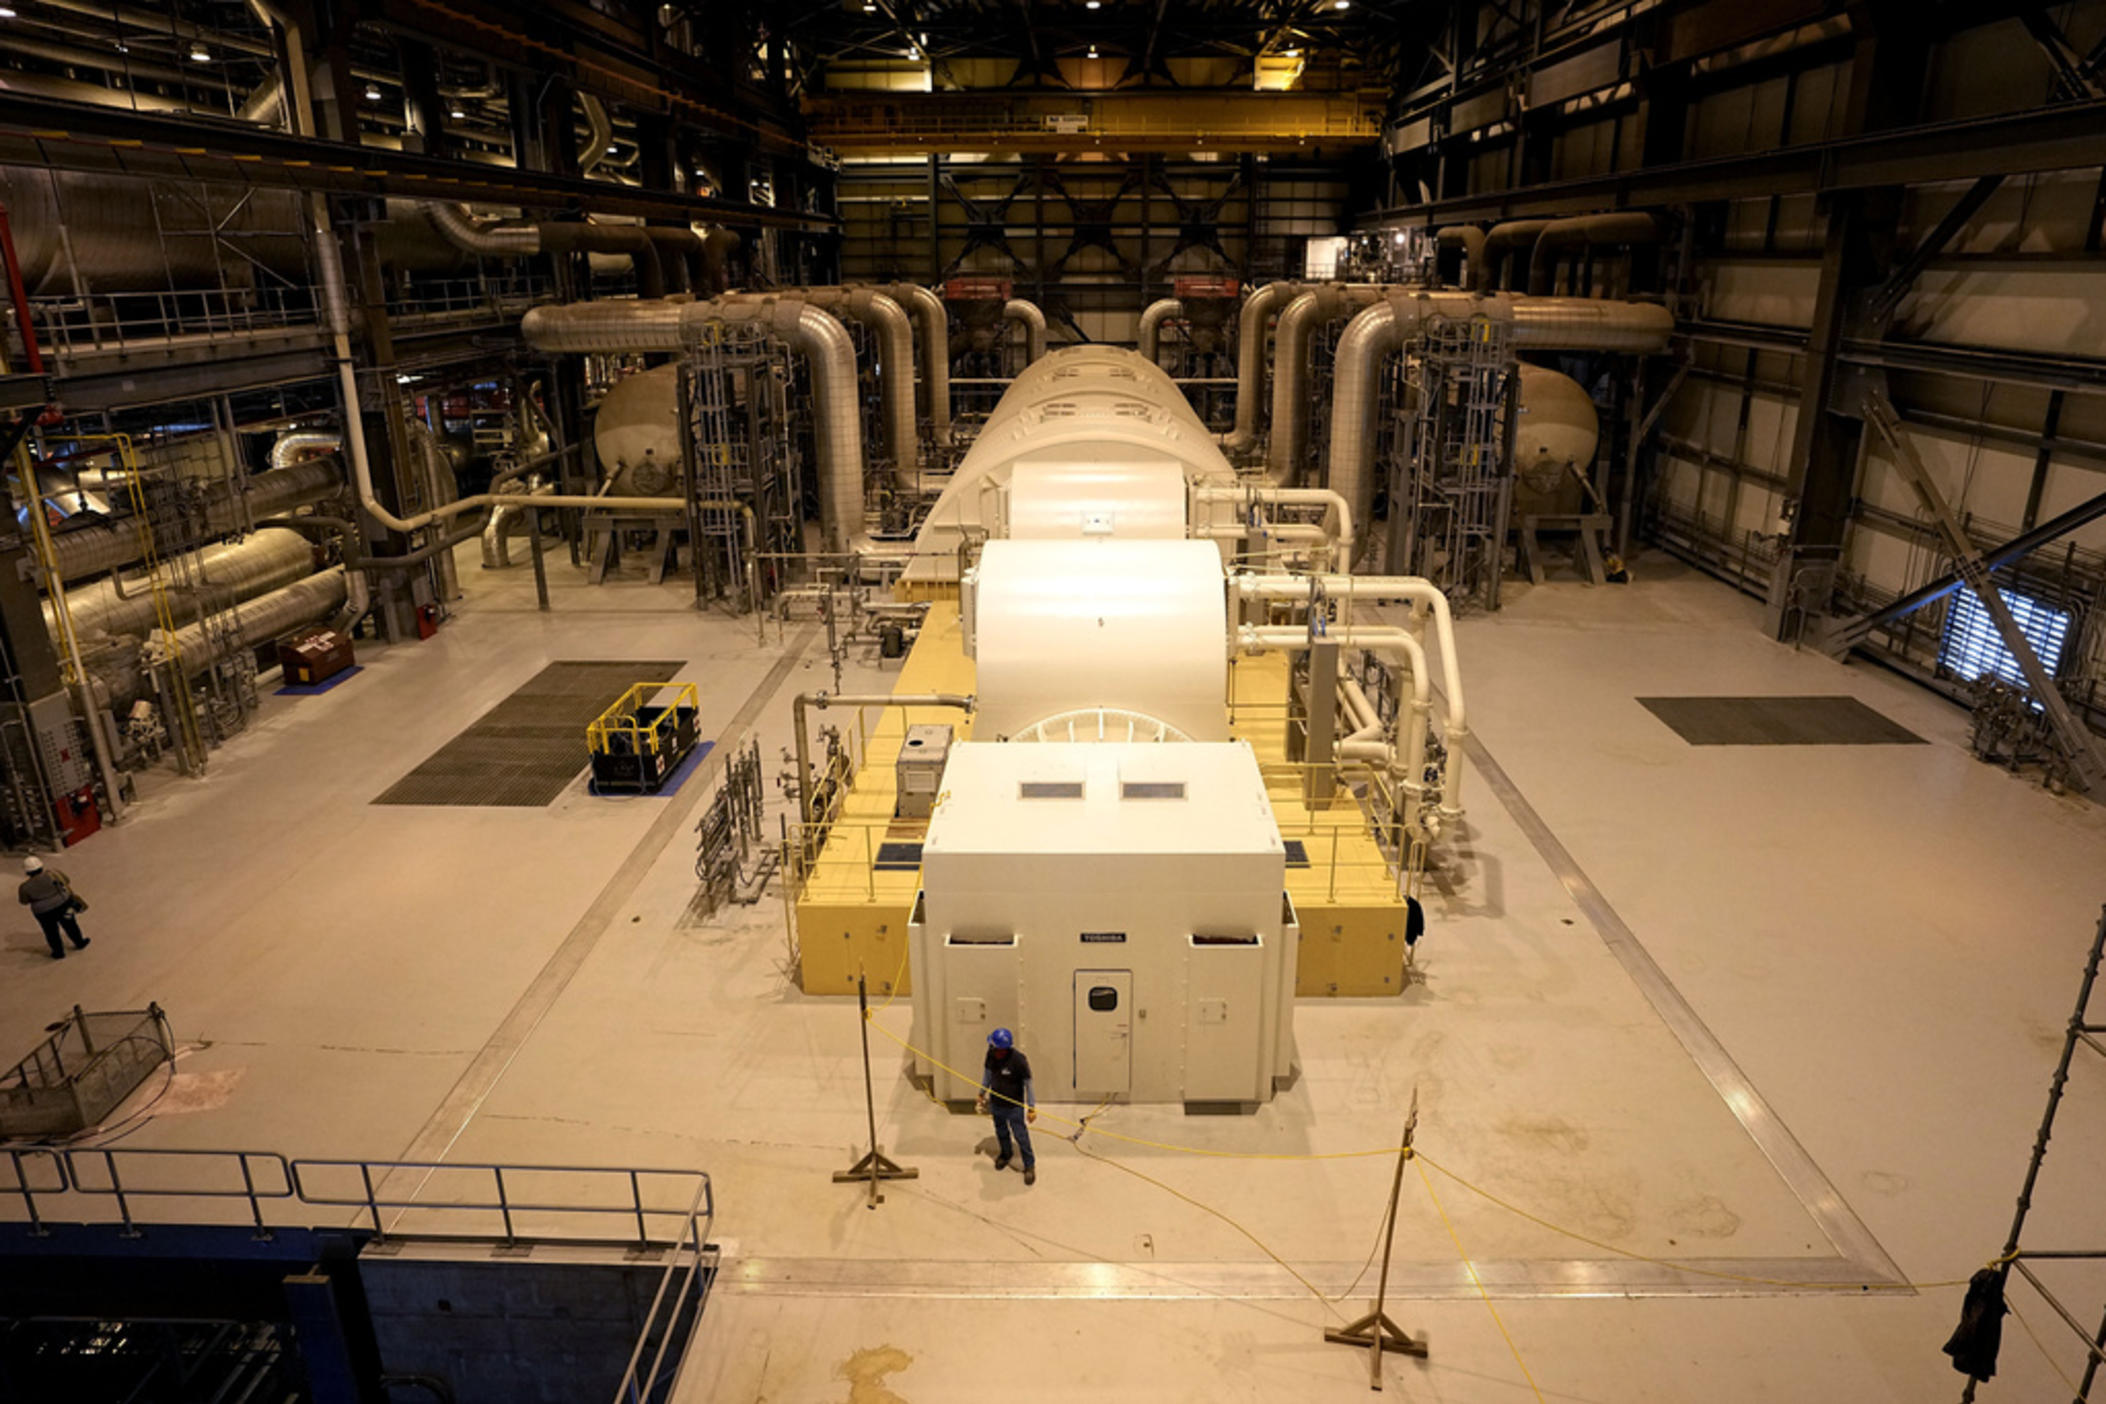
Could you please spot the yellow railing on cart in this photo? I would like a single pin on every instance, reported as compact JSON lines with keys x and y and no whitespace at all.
{"x":620,"y":722}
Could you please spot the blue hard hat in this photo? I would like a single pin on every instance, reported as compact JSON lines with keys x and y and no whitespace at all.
{"x":1001,"y":1038}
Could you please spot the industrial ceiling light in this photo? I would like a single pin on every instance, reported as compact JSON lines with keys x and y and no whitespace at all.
{"x":1093,"y":51}
{"x":1092,"y":4}
{"x":372,"y":92}
{"x":200,"y":54}
{"x":6,"y":13}
{"x":455,"y":113}
{"x":1341,"y":4}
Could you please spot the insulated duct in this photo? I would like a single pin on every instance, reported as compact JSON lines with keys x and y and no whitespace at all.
{"x":90,"y":550}
{"x":521,"y":240}
{"x":1470,"y":240}
{"x":894,"y":333}
{"x":77,"y":232}
{"x":1508,"y":244}
{"x":291,"y":448}
{"x":1584,"y":233}
{"x":1018,"y":310}
{"x":1152,"y":320}
{"x":1290,"y":385}
{"x":934,"y":319}
{"x":661,"y":326}
{"x":599,"y":133}
{"x":1539,"y":324}
{"x":120,"y":673}
{"x":1253,"y":324}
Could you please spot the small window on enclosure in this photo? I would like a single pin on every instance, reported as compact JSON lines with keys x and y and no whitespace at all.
{"x":1103,"y":998}
{"x":1051,"y":789}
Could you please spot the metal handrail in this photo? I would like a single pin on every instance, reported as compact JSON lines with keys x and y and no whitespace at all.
{"x":686,"y":1263}
{"x":621,"y":719}
{"x":114,"y":1172}
{"x":373,"y":1199}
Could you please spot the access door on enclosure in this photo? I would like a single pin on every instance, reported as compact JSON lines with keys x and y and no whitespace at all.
{"x":1103,"y":1033}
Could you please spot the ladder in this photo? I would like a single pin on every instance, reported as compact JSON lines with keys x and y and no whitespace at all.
{"x":2083,"y":1032}
{"x":190,"y":746}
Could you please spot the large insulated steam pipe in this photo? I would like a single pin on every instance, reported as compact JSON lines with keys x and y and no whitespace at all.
{"x":240,"y":570}
{"x":1152,"y":321}
{"x":90,"y":550}
{"x":934,"y":320}
{"x":1290,"y":386}
{"x":1584,"y":232}
{"x":291,"y":448}
{"x":1470,"y":239}
{"x":1540,"y":324}
{"x":671,"y":326}
{"x":1407,"y":758}
{"x":888,"y":322}
{"x":520,"y":240}
{"x":1018,"y":310}
{"x":1253,"y":322}
{"x":1508,"y":243}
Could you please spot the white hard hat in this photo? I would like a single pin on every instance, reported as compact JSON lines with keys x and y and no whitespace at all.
{"x":32,"y":864}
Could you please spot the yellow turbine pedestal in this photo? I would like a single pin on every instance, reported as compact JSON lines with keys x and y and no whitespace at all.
{"x":853,"y":906}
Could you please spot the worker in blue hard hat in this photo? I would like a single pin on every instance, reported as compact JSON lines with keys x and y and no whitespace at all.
{"x":1005,"y":1089}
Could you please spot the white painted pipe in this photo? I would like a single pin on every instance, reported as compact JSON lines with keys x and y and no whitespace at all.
{"x":1290,"y":372}
{"x":1338,"y":515}
{"x":1018,"y":310}
{"x":1252,"y":324}
{"x":1406,"y":760}
{"x":934,"y":320}
{"x":1152,"y":318}
{"x":1403,"y":589}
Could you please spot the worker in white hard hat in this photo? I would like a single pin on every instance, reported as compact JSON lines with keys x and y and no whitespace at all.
{"x":1005,"y":1082}
{"x":51,"y":900}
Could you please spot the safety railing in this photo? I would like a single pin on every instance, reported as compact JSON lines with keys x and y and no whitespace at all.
{"x":439,"y":299}
{"x":107,"y":322}
{"x":88,"y":1064}
{"x":637,"y":725}
{"x":431,"y":1201}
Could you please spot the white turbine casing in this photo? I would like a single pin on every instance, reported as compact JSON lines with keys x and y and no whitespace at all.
{"x":1060,"y":626}
{"x":1082,"y":404}
{"x":1058,"y":496}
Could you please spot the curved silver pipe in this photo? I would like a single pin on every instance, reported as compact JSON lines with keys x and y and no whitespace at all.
{"x":934,"y":318}
{"x":1152,"y":320}
{"x":888,"y":322}
{"x":663,"y":326}
{"x":1509,"y":241}
{"x":483,"y":240}
{"x":442,"y":487}
{"x":1251,"y":328}
{"x":290,"y":448}
{"x":599,"y":133}
{"x":1470,"y":239}
{"x":1585,"y":233}
{"x":1018,"y":310}
{"x":1290,"y":385}
{"x":1539,"y":323}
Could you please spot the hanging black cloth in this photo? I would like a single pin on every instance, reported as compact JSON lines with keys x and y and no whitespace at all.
{"x":1980,"y":1334}
{"x":1414,"y":921}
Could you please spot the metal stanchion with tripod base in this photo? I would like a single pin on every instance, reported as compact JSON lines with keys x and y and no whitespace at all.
{"x":1375,"y":1332}
{"x":875,"y":1165}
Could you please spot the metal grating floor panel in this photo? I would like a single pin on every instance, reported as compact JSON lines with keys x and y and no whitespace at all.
{"x":526,"y":750}
{"x":1778,"y":721}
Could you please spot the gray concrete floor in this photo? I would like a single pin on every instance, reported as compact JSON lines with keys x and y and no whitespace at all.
{"x":1885,"y":940}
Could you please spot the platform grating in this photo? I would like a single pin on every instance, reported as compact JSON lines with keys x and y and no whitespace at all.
{"x":1778,"y":721}
{"x":526,"y":750}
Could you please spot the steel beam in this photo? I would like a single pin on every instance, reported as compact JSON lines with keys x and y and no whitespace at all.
{"x":37,"y":131}
{"x":2079,"y":747}
{"x":1850,"y":633}
{"x":2066,"y":137}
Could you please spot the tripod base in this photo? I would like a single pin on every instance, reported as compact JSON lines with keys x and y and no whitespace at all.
{"x":1373,"y":1327}
{"x":873,"y":1167}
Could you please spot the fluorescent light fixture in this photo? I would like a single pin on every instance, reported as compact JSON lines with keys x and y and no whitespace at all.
{"x":1092,"y":4}
{"x":200,"y":54}
{"x":1973,"y":648}
{"x":372,"y":92}
{"x":1341,"y":4}
{"x":456,"y":113}
{"x":6,"y":13}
